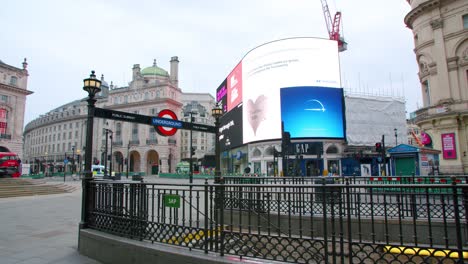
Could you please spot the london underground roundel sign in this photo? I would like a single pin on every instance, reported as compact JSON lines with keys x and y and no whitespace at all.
{"x":171,"y":127}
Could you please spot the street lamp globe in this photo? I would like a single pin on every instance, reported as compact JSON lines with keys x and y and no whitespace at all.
{"x":92,"y":85}
{"x":217,"y":111}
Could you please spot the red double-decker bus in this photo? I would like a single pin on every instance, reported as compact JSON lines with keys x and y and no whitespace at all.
{"x":10,"y":165}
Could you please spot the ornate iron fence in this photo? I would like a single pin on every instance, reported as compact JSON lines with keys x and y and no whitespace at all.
{"x":298,"y":222}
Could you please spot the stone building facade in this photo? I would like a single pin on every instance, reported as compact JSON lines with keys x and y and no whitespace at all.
{"x":13,"y":92}
{"x":440,"y":29}
{"x":60,"y":134}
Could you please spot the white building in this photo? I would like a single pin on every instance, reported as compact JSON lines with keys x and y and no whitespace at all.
{"x":13,"y":92}
{"x":440,"y":30}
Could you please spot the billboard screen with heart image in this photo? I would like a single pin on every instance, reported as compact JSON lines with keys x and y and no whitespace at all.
{"x":311,"y":65}
{"x":278,"y":81}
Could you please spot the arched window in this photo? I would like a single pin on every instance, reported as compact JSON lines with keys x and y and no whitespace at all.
{"x":256,"y":153}
{"x":332,"y":150}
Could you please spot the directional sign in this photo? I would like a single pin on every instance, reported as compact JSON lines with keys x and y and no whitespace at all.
{"x":123,"y":116}
{"x":65,"y":161}
{"x":199,"y":127}
{"x":165,"y":119}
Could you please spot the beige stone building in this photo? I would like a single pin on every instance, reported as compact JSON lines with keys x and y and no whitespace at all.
{"x":13,"y":92}
{"x":440,"y":29}
{"x":60,"y":134}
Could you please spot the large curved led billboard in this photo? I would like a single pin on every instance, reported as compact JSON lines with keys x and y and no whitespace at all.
{"x":295,"y":81}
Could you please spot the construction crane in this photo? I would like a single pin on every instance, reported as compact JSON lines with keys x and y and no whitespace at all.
{"x":333,"y":26}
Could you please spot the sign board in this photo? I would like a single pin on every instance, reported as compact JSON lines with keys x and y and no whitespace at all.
{"x":65,"y":161}
{"x":172,"y":200}
{"x":160,"y":122}
{"x":449,"y":149}
{"x":166,"y":119}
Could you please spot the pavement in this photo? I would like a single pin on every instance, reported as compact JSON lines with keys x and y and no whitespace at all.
{"x":41,"y":229}
{"x":44,"y":228}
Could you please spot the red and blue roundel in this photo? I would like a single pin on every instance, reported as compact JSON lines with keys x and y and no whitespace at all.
{"x":166,"y":123}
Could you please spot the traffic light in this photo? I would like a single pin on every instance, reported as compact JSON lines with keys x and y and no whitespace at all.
{"x":192,"y":151}
{"x":286,"y":141}
{"x":378,"y":147}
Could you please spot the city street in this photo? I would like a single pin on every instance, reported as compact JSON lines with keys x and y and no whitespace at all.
{"x":41,"y":229}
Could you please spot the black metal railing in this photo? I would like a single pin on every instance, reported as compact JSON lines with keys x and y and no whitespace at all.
{"x":319,"y":221}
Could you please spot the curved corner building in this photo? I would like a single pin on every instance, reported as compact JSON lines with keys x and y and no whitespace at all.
{"x":55,"y":141}
{"x":440,"y":29}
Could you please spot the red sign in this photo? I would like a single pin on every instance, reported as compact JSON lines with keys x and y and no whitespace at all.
{"x":449,"y":149}
{"x":425,"y":139}
{"x":166,"y":131}
{"x":234,"y":87}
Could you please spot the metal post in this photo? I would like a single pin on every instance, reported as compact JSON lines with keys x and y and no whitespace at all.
{"x":105,"y":156}
{"x":128,"y":156}
{"x":110,"y":163}
{"x":92,"y":86}
{"x":190,"y":150}
{"x":384,"y":173}
{"x":218,"y":177}
{"x":73,"y":160}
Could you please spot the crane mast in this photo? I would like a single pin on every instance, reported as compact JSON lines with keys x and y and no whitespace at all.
{"x":333,"y":26}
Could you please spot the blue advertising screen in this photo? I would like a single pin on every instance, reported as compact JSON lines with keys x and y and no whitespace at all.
{"x":313,"y":111}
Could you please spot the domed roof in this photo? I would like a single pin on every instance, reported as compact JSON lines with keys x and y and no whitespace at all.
{"x":154,"y":70}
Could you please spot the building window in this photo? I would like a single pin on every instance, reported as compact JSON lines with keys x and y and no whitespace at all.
{"x":465,"y":21}
{"x":3,"y":120}
{"x":58,"y":136}
{"x":13,"y":80}
{"x":118,"y":132}
{"x":134,"y":132}
{"x":427,"y":92}
{"x":152,"y":133}
{"x":4,"y":98}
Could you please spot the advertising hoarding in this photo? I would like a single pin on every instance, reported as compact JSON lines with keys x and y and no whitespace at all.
{"x":221,"y":95}
{"x":230,"y":128}
{"x":279,"y":81}
{"x":298,"y":62}
{"x":449,"y":150}
{"x":234,"y":87}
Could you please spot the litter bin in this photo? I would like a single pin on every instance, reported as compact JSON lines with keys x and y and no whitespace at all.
{"x":117,"y":176}
{"x":137,"y":177}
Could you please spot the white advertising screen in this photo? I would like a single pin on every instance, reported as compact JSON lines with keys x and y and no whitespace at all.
{"x":296,"y":69}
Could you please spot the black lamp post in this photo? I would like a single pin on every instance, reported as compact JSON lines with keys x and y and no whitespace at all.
{"x":110,"y":163}
{"x":128,"y":156}
{"x":191,"y":150}
{"x":396,"y":136}
{"x":73,"y":160}
{"x":217,"y":112}
{"x":106,"y":171}
{"x":92,"y":86}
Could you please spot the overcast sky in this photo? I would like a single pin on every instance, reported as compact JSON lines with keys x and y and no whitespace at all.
{"x":63,"y":40}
